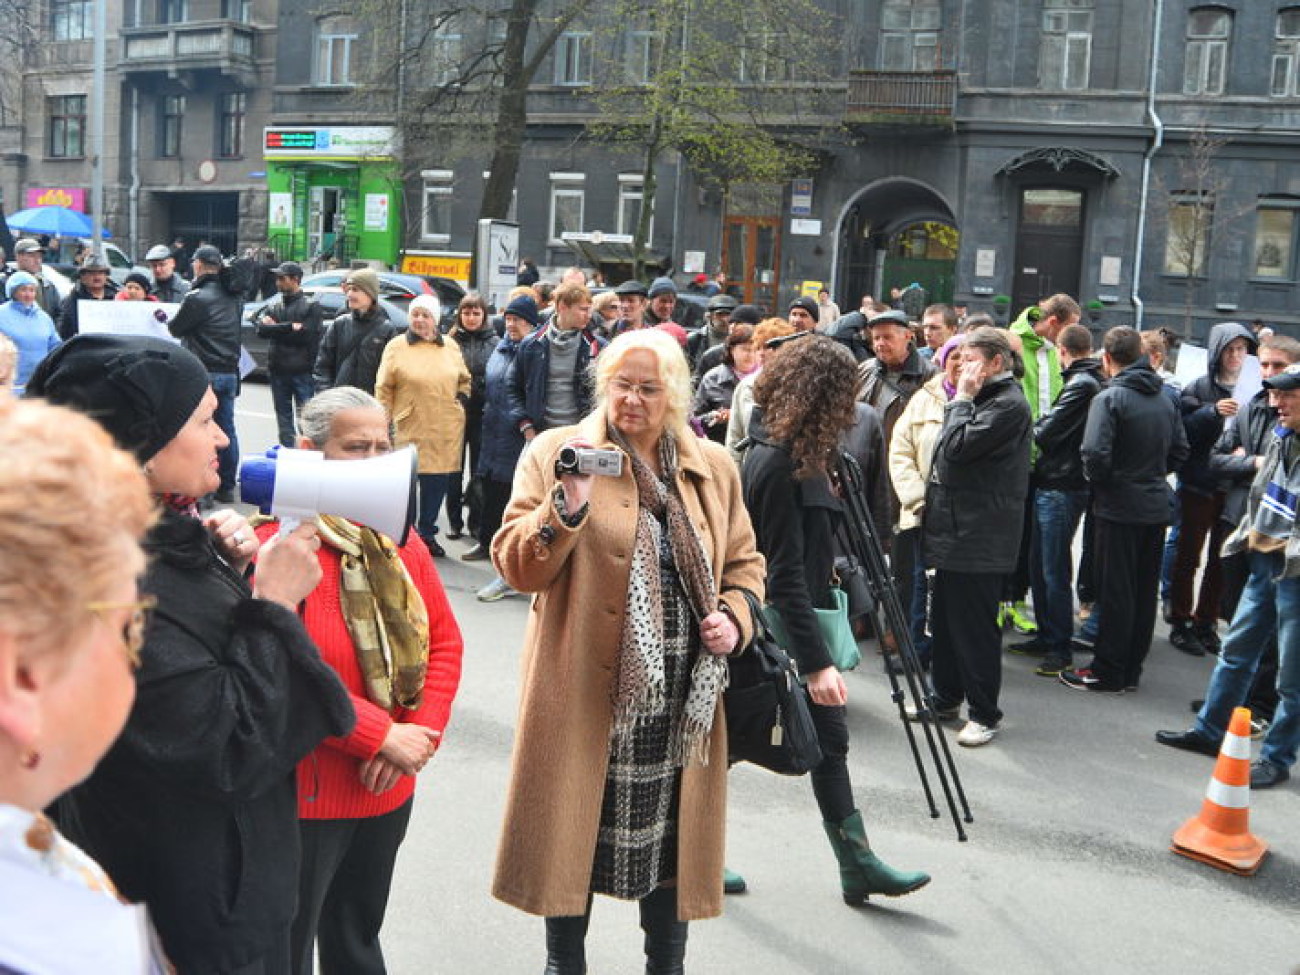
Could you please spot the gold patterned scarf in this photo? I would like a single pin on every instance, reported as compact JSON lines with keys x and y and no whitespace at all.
{"x":384,"y":613}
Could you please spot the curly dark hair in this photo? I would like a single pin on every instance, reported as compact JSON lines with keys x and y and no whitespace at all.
{"x":807,"y":392}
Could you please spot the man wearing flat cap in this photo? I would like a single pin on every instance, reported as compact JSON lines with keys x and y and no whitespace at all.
{"x":631,"y":308}
{"x":207,"y":323}
{"x":29,"y":255}
{"x":1270,"y":603}
{"x":93,"y":284}
{"x":167,"y":284}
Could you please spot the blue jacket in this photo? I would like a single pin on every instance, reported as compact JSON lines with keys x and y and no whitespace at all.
{"x":502,"y":441}
{"x":32,"y":332}
{"x":527,"y":379}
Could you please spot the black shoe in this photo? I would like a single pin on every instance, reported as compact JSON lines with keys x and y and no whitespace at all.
{"x":1184,"y":638}
{"x":1265,"y":775}
{"x":1208,"y":638}
{"x":1033,"y":647}
{"x":475,"y":553}
{"x":1053,"y":664}
{"x":1189,"y":741}
{"x":436,"y":550}
{"x":454,"y":533}
{"x":1083,"y":679}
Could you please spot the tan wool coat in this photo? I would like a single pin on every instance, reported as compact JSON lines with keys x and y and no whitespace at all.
{"x":580,"y":578}
{"x":911,"y":450}
{"x":422,"y":385}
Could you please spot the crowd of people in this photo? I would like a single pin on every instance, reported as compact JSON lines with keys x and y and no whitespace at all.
{"x":252,"y":781}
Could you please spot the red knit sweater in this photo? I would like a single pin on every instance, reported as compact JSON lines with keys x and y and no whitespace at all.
{"x":329,"y":779}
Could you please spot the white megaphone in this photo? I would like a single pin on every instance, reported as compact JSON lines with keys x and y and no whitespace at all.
{"x":293,"y":485}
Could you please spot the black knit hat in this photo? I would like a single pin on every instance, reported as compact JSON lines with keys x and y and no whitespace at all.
{"x":746,"y":315}
{"x":807,"y":304}
{"x":141,"y":390}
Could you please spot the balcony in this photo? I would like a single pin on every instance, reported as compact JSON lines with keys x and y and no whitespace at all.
{"x":176,"y":50}
{"x":907,"y":99}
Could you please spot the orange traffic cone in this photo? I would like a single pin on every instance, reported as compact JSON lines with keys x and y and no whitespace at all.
{"x":1220,"y":835}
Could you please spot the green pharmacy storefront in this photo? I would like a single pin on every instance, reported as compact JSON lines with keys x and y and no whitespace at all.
{"x":333,"y":194}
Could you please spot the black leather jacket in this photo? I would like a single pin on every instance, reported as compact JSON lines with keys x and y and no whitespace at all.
{"x":1252,"y":431}
{"x":1059,"y":432}
{"x":351,"y":349}
{"x":1133,"y":440}
{"x":207,"y":323}
{"x":293,"y":350}
{"x":975,"y":497}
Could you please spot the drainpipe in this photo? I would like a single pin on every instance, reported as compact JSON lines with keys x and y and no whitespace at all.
{"x":133,"y":194}
{"x":1157,"y":140}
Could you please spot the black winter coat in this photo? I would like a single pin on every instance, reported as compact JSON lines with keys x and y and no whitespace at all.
{"x":351,"y":349}
{"x":975,"y":498}
{"x":1201,"y":420}
{"x":207,"y":323}
{"x":476,"y":348}
{"x":794,"y":525}
{"x":1252,"y":432}
{"x":293,"y":350}
{"x":1059,"y":432}
{"x":194,"y":809}
{"x":1134,"y":439}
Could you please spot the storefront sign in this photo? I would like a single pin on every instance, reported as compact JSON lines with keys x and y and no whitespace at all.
{"x":56,"y":196}
{"x":279,"y":207}
{"x":806,"y":228}
{"x":376,"y":216}
{"x":498,"y":267}
{"x":328,"y":142}
{"x":454,"y":266}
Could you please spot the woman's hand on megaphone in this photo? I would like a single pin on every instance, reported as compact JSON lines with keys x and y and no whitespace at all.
{"x":235,"y":540}
{"x":287,"y":568}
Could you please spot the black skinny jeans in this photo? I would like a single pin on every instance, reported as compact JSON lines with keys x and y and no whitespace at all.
{"x":830,"y":780}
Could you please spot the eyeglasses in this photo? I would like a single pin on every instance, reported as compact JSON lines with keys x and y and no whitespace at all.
{"x":134,"y":627}
{"x":621,"y":387}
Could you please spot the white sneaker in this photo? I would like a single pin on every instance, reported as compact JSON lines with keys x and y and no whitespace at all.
{"x":498,"y":588}
{"x":975,"y":734}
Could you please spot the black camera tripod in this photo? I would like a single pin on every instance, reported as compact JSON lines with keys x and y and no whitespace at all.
{"x":887,"y":615}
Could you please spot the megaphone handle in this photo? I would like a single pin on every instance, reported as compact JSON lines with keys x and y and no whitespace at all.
{"x":287,"y":524}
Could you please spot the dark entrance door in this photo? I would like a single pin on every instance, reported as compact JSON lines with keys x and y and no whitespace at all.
{"x":210,"y":217}
{"x":1049,"y":245}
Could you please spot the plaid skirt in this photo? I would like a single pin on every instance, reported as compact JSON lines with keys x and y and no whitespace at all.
{"x":636,"y":848}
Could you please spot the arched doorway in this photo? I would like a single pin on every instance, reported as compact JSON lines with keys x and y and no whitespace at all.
{"x":893,"y":232}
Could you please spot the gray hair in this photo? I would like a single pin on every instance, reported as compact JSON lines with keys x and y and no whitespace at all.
{"x":317,"y":419}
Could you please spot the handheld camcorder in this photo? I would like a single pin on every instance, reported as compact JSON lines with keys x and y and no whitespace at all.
{"x":589,"y":460}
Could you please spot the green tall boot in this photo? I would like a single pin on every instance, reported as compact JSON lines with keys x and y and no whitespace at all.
{"x":862,"y":873}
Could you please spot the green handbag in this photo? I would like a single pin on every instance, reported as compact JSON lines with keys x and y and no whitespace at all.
{"x":836,"y":631}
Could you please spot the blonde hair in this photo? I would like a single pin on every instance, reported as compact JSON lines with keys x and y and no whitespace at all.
{"x":603,"y":301}
{"x":8,"y":364}
{"x":674,"y":370}
{"x":569,"y":295}
{"x":525,"y":291}
{"x":73,"y":508}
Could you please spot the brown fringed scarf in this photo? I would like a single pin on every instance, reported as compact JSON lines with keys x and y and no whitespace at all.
{"x":384,"y":612}
{"x":639,"y":684}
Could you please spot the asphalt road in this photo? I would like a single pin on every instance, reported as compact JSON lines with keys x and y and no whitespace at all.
{"x":1067,"y":868}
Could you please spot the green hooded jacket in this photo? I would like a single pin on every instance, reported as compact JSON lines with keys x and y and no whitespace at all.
{"x":1038,"y":354}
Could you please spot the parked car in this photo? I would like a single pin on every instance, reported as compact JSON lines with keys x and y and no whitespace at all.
{"x":120,"y":264}
{"x":332,"y":302}
{"x":397,"y":286}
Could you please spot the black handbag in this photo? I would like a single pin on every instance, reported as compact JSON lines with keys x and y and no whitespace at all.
{"x":769,"y":720}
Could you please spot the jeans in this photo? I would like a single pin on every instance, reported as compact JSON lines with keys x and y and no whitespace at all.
{"x":288,"y":390}
{"x":1267,"y":603}
{"x":433,"y":488}
{"x":1171,"y":550}
{"x":226,"y":387}
{"x":920,"y":617}
{"x":1056,"y":518}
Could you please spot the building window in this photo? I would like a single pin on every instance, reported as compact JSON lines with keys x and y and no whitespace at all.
{"x":1065,"y":57}
{"x":763,"y":58}
{"x":568,"y":199}
{"x":1189,"y":222}
{"x":445,"y":53}
{"x":1286,"y":54}
{"x":435,"y":214}
{"x":67,"y":115}
{"x":240,"y":11}
{"x":170,"y":122}
{"x":631,"y":196}
{"x":1208,"y":32}
{"x":1275,"y":241}
{"x":642,"y":56}
{"x":231,"y":108}
{"x":573,"y":58}
{"x":909,"y":35}
{"x":71,"y":20}
{"x":173,"y":11}
{"x":334,"y":41}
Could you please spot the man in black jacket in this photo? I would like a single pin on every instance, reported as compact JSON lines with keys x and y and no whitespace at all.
{"x":291,"y":323}
{"x":167,"y":284}
{"x":1134,"y":438}
{"x":974,"y":513}
{"x":1060,"y":498}
{"x":207,"y":323}
{"x":93,"y":284}
{"x":353,"y":344}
